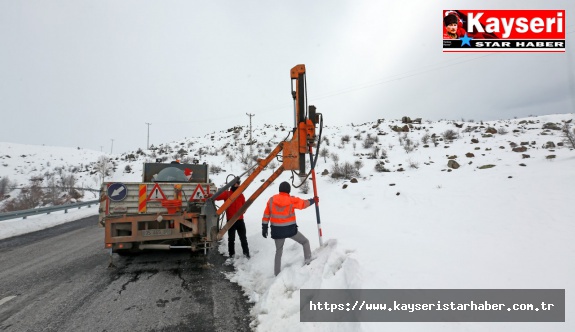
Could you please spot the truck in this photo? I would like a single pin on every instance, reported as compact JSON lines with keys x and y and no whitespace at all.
{"x":163,"y":211}
{"x":173,"y":207}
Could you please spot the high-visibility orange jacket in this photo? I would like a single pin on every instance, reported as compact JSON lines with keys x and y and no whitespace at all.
{"x":280,"y":213}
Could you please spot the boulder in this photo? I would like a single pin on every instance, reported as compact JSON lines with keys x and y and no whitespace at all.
{"x":452,"y":164}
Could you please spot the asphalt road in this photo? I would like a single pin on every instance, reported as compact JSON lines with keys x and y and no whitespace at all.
{"x":58,"y":280}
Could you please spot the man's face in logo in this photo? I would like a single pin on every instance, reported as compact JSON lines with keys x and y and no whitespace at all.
{"x":452,"y":28}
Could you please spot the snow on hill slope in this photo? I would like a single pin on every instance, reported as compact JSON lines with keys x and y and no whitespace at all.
{"x":502,"y":219}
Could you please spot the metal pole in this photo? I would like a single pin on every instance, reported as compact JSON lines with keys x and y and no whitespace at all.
{"x":148,"y":141}
{"x":251,"y":146}
{"x":112,"y":147}
{"x":319,"y":232}
{"x":250,"y":115}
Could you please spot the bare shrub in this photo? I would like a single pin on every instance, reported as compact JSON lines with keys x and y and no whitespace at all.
{"x":304,"y":188}
{"x":569,"y":134}
{"x":324,"y":153}
{"x":408,"y":144}
{"x":345,"y":139}
{"x":358,"y":164}
{"x":374,"y":152}
{"x":215,"y":169}
{"x":383,"y":153}
{"x":335,"y":158}
{"x":103,"y":167}
{"x":67,"y":183}
{"x":244,"y":158}
{"x":413,"y":164}
{"x":450,"y":135}
{"x":502,"y":131}
{"x":425,"y":139}
{"x":345,"y":170}
{"x":4,"y":186}
{"x":31,"y":195}
{"x":52,"y":191}
{"x":368,"y":142}
{"x":380,"y":167}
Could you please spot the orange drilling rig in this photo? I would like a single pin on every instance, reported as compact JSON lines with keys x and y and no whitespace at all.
{"x":294,"y":152}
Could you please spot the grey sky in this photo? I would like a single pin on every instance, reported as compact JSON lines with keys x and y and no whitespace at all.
{"x":81,"y":73}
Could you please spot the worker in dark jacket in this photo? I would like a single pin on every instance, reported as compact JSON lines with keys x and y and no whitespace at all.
{"x":280,"y":212}
{"x":239,"y":225}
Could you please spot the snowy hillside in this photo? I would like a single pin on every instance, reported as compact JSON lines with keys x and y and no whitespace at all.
{"x":447,"y":204}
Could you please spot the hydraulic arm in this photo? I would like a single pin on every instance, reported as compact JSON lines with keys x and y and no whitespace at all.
{"x":293,"y":152}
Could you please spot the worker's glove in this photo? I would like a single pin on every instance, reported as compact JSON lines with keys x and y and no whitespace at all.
{"x":265,"y":230}
{"x":311,"y":201}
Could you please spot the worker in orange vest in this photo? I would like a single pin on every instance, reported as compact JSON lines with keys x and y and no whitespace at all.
{"x":281,"y":214}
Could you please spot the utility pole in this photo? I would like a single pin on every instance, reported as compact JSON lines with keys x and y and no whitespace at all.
{"x":148,"y":142}
{"x":112,"y":147}
{"x":250,"y":115}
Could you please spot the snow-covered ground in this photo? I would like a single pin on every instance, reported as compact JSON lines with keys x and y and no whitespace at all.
{"x":508,"y":227}
{"x":19,"y":226}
